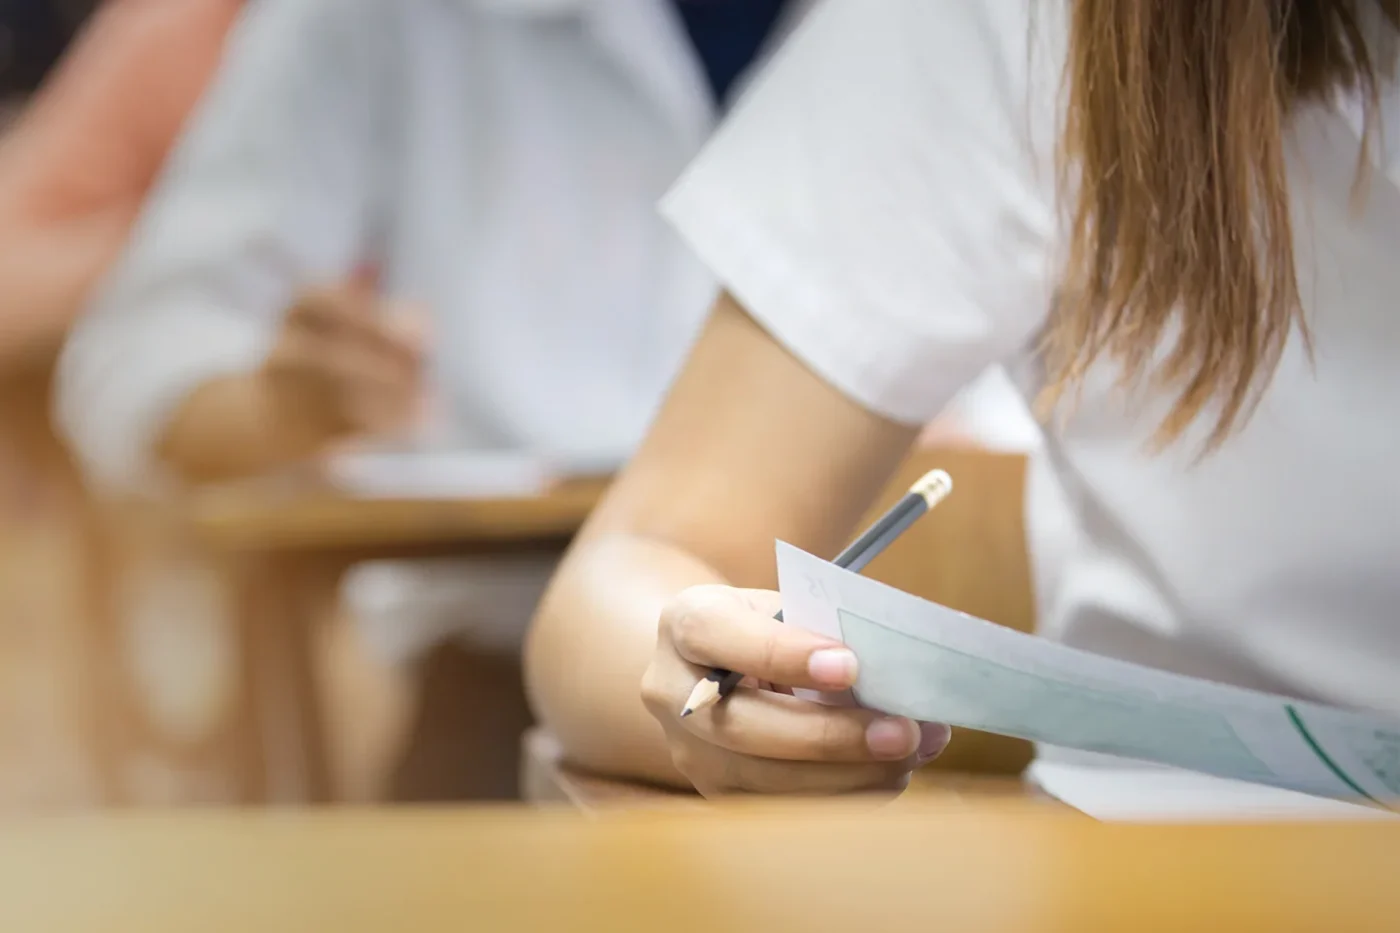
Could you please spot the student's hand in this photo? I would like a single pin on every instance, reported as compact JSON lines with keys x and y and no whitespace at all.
{"x":765,"y":741}
{"x":345,"y":365}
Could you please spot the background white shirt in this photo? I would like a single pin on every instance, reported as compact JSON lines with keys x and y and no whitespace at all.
{"x":884,"y":203}
{"x":500,"y":159}
{"x":500,"y":162}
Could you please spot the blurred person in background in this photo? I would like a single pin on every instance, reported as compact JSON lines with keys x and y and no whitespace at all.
{"x":387,"y":200}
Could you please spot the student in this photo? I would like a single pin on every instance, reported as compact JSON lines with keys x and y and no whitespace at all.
{"x":1195,"y":267}
{"x":76,"y":165}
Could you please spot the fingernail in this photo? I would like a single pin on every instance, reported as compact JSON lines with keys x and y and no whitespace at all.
{"x":833,"y":667}
{"x":892,"y":738}
{"x":933,"y":739}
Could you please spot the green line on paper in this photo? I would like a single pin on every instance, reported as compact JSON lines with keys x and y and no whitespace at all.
{"x":1312,"y":743}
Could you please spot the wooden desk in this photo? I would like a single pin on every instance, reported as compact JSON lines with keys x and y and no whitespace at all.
{"x":289,"y":554}
{"x":279,"y":554}
{"x":937,"y":866}
{"x":549,"y":780}
{"x":297,"y":520}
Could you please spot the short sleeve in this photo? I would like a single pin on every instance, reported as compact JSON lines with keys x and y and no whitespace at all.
{"x":882,"y":200}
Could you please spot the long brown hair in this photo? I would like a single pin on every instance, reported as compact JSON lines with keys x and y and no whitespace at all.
{"x":1179,"y":215}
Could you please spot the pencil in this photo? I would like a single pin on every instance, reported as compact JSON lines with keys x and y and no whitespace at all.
{"x":931,"y":489}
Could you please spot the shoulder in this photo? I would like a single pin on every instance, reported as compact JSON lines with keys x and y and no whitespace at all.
{"x":883,"y":199}
{"x":986,"y":37}
{"x":924,"y":73}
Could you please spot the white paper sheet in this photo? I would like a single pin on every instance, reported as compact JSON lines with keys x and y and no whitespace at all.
{"x":1141,"y":794}
{"x":435,"y":474}
{"x":930,"y":663}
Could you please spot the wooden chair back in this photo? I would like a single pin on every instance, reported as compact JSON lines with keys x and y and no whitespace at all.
{"x":969,"y":554}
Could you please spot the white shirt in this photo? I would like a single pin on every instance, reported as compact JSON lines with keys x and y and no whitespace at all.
{"x":884,"y":203}
{"x":500,"y":161}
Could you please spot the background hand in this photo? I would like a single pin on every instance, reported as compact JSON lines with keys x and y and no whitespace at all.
{"x":345,"y":365}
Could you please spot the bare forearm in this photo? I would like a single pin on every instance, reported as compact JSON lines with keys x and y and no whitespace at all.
{"x":701,"y":503}
{"x":590,"y":643}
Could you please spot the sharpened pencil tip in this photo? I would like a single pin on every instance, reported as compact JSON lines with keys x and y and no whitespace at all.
{"x":705,"y":695}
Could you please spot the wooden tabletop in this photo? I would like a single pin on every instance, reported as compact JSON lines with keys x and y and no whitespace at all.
{"x":299,"y":517}
{"x":549,"y":779}
{"x":807,"y":867}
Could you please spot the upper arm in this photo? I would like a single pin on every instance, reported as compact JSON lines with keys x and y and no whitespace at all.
{"x":880,"y":211}
{"x":883,"y":201}
{"x":269,"y":189}
{"x":751,"y":445}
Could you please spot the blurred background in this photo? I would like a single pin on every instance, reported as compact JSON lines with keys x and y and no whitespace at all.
{"x":338,"y":620}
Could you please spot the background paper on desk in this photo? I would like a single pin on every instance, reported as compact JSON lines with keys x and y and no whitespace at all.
{"x":440,"y":474}
{"x":927,"y":662}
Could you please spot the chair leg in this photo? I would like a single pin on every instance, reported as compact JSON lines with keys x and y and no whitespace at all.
{"x":280,"y":602}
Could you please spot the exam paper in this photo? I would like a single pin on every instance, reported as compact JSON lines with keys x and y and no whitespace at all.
{"x":930,"y":663}
{"x":1138,"y":793}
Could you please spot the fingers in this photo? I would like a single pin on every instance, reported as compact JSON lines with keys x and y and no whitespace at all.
{"x":354,"y":358}
{"x":347,"y":377}
{"x":761,"y":741}
{"x":362,"y":367}
{"x":714,"y":773}
{"x":773,"y":725}
{"x":715,"y":627}
{"x":934,"y":738}
{"x":354,"y":316}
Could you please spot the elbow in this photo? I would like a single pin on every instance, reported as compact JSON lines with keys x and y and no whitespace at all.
{"x":536,"y":662}
{"x":561,"y":706}
{"x":586,"y":693}
{"x":83,"y":413}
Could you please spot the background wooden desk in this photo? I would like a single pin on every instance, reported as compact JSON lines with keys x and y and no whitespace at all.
{"x":278,"y":554}
{"x":300,"y":520}
{"x":935,"y":866}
